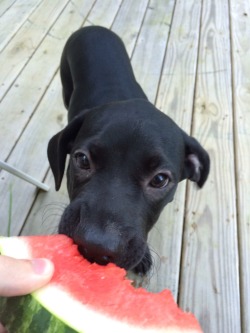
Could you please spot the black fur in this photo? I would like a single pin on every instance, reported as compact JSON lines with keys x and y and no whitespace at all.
{"x":121,"y":149}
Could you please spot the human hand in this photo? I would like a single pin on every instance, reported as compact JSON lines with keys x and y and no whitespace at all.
{"x":20,"y":277}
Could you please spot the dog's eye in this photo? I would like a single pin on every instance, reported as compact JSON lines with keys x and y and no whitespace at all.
{"x":160,"y":180}
{"x":82,"y":161}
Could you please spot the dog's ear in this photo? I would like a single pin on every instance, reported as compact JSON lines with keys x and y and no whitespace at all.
{"x":197,"y":162}
{"x":60,"y":145}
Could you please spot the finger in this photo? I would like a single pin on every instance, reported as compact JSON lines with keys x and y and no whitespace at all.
{"x":20,"y":277}
{"x":2,"y":329}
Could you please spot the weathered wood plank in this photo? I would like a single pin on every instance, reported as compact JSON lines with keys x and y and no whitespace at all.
{"x":150,"y":47}
{"x":103,"y":13}
{"x":240,"y":36}
{"x":133,"y":12}
{"x":30,"y":156}
{"x":46,"y":212}
{"x":17,"y":14}
{"x":209,"y":284}
{"x":5,"y":5}
{"x":33,"y":223}
{"x":175,"y":98}
{"x":32,"y":145}
{"x":23,"y":45}
{"x":29,"y":86}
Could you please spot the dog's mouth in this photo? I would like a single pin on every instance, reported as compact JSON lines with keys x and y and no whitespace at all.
{"x":101,"y":260}
{"x":123,"y":248}
{"x":139,"y":264}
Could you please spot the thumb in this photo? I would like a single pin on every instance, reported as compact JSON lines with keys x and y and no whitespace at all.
{"x":20,"y":277}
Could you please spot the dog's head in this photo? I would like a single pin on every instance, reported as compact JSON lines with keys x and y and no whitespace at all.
{"x":126,"y":160}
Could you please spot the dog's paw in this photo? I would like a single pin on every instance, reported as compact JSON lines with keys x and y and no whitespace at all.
{"x":145,"y":264}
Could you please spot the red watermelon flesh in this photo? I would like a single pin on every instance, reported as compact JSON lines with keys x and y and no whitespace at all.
{"x":105,"y":289}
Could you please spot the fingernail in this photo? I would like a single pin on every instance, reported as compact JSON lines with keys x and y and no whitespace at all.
{"x":42,"y":266}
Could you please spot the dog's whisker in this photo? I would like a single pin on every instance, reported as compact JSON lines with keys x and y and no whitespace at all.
{"x":156,"y":260}
{"x":157,"y":230}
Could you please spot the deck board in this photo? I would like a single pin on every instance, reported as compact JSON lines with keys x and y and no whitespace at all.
{"x":103,"y":13}
{"x":5,"y":5}
{"x":49,"y":219}
{"x":28,"y":94}
{"x":133,"y":12}
{"x":209,"y":280}
{"x":240,"y":36}
{"x":24,"y":44}
{"x":192,"y":60}
{"x":152,"y":42}
{"x":176,"y":100}
{"x":17,"y":13}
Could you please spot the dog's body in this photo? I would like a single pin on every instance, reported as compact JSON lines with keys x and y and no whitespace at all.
{"x":126,"y":157}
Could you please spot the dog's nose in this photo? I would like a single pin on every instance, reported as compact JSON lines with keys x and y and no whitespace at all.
{"x":97,"y":254}
{"x":100,"y":252}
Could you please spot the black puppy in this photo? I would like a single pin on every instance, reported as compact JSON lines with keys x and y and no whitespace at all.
{"x":126,"y":157}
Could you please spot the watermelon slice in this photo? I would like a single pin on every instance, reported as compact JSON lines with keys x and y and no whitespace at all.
{"x":84,"y":297}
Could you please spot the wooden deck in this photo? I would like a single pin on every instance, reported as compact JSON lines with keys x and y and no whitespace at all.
{"x":192,"y":58}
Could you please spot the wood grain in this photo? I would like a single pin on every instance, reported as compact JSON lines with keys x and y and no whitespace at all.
{"x":103,"y":13}
{"x":25,"y":42}
{"x":44,"y":216}
{"x":150,"y":47}
{"x":17,"y":13}
{"x":5,"y":5}
{"x":128,"y":22}
{"x":175,"y":98}
{"x":31,"y":148}
{"x":45,"y":213}
{"x":210,"y":278}
{"x":240,"y":36}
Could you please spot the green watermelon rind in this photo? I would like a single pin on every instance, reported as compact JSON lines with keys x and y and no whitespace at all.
{"x":10,"y":308}
{"x":48,"y":301}
{"x":16,"y":318}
